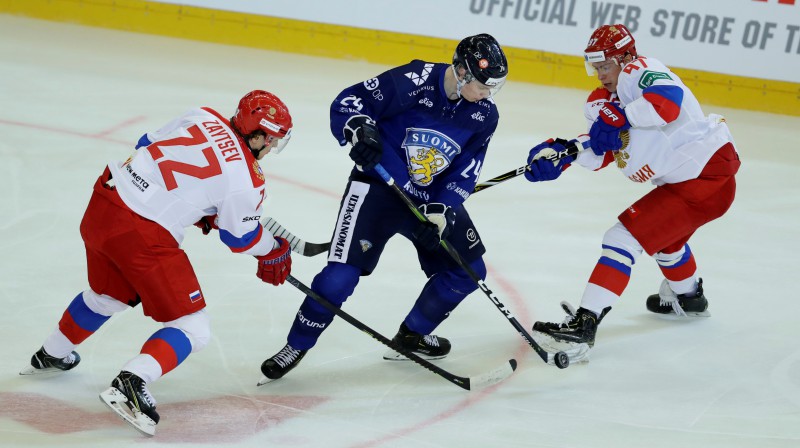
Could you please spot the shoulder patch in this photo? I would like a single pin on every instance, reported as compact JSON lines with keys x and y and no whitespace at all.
{"x":649,"y":77}
{"x":420,"y":78}
{"x":256,"y":173}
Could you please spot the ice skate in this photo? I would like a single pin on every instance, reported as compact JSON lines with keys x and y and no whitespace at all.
{"x":129,"y":398}
{"x":281,"y":363}
{"x":426,"y":346}
{"x":42,"y":362}
{"x":678,"y":306}
{"x":574,"y":336}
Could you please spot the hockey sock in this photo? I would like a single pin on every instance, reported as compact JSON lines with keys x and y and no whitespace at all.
{"x":441,"y":295}
{"x":612,"y":272}
{"x":336,"y":282}
{"x":165,"y":350}
{"x":80,"y":320}
{"x":680,"y":269}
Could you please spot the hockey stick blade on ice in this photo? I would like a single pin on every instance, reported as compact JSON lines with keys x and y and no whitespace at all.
{"x":468,"y":383}
{"x":298,"y":245}
{"x":560,"y":359}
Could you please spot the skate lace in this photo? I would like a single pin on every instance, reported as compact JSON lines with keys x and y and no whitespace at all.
{"x":151,"y":401}
{"x":674,"y":303}
{"x":69,"y":359}
{"x":286,"y":356}
{"x":568,"y":321}
{"x":431,"y":340}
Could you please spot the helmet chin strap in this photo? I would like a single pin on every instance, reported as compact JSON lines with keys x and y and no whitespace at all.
{"x":460,"y":83}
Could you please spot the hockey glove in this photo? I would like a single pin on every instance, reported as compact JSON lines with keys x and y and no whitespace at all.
{"x":207,"y":223}
{"x":274,"y":267}
{"x":362,"y":133}
{"x":605,"y":130}
{"x":540,"y":168}
{"x":438,"y":226}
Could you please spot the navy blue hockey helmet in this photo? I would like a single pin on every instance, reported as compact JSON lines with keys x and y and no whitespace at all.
{"x":484,"y":60}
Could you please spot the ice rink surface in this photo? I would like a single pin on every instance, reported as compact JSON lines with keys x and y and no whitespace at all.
{"x":73,"y":99}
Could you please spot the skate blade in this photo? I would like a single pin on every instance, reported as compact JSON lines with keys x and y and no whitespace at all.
{"x":392,"y":355}
{"x":689,"y":316}
{"x":578,"y":353}
{"x":264,"y":380}
{"x":30,"y":370}
{"x":116,"y":400}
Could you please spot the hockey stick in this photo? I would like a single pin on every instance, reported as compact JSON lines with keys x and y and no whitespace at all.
{"x":560,"y":359}
{"x":298,"y":245}
{"x":570,"y":149}
{"x":472,"y":383}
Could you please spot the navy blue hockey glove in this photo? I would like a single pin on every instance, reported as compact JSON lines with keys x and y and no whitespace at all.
{"x":605,"y":130}
{"x":362,"y":133}
{"x":440,"y":222}
{"x":540,"y":168}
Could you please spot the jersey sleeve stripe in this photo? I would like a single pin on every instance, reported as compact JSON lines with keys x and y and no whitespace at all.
{"x":243,"y":243}
{"x":666,"y":101}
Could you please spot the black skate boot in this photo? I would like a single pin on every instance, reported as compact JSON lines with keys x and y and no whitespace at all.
{"x":281,"y":363}
{"x":426,"y":346}
{"x":579,"y":327}
{"x":668,"y":304}
{"x":129,"y":398}
{"x":42,"y":362}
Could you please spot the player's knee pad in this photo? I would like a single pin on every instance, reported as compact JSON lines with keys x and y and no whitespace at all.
{"x":336,"y":282}
{"x":196,"y":326}
{"x":667,"y":260}
{"x":618,"y":240}
{"x":458,"y":281}
{"x":102,"y":304}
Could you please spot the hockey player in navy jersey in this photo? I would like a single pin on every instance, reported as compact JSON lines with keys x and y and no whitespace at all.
{"x":647,"y":122}
{"x":429,"y":125}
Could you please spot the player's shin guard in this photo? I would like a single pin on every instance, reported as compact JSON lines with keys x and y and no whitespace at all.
{"x":336,"y":282}
{"x":80,"y":320}
{"x":441,"y":295}
{"x":165,"y":350}
{"x":680,"y":269}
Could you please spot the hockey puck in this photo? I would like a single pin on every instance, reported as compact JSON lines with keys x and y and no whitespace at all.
{"x":562,"y":360}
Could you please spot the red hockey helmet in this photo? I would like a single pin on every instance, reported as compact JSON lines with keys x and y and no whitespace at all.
{"x":260,"y":110}
{"x":609,"y":42}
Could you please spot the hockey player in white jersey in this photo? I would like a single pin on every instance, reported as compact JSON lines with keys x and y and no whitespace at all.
{"x":649,"y":124}
{"x":199,"y":169}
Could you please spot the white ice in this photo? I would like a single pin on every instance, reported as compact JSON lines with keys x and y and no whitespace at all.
{"x":74,"y":98}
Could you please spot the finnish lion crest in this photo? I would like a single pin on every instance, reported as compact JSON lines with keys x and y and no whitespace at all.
{"x":429,"y":153}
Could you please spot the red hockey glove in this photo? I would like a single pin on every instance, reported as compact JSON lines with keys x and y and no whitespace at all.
{"x":275,"y":266}
{"x":207,"y":223}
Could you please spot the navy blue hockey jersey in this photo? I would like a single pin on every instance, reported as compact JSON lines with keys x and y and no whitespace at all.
{"x":433,"y":147}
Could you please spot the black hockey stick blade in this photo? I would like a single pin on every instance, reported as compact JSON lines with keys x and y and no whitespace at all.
{"x":468,"y":383}
{"x":298,"y":245}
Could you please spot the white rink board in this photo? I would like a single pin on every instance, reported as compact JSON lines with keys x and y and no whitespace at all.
{"x":751,"y":38}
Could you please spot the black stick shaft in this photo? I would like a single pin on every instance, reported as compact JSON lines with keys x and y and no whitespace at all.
{"x":457,"y":258}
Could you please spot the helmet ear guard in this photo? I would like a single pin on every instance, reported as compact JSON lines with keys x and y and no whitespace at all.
{"x":609,"y":42}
